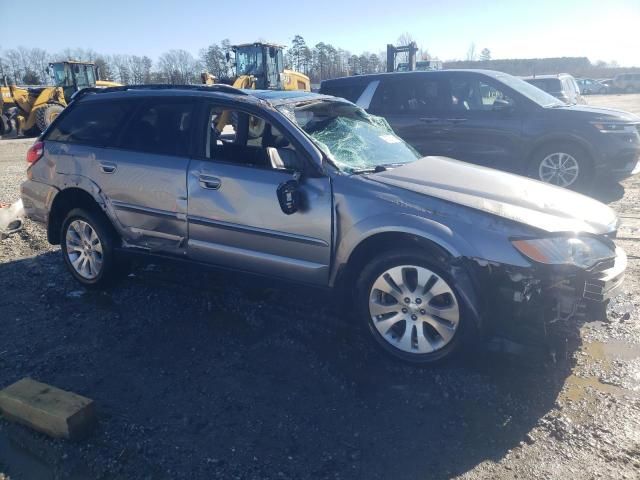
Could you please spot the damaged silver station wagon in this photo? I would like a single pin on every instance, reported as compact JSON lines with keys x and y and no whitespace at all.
{"x":432,"y":252}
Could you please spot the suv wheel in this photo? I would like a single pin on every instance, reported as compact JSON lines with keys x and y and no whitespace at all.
{"x":411,"y":307}
{"x":87,"y":247}
{"x":561,"y":165}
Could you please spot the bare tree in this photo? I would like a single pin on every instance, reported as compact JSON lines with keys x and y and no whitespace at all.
{"x":471,"y":52}
{"x":121,"y":68}
{"x":178,"y":67}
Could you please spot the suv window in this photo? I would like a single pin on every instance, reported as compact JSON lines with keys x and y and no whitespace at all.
{"x":551,"y":85}
{"x":408,"y":95}
{"x":237,"y":137}
{"x":473,"y":94}
{"x":91,"y":123}
{"x":162,"y":126}
{"x":348,"y":92}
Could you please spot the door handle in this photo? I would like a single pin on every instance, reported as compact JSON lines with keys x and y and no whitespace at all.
{"x":209,"y":182}
{"x":456,"y":120}
{"x":108,"y":167}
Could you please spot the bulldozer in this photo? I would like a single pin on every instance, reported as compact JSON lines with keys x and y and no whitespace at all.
{"x":260,"y":66}
{"x":37,"y":107}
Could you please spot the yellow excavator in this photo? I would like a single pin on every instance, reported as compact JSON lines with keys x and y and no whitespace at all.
{"x":261,"y":66}
{"x":37,"y":107}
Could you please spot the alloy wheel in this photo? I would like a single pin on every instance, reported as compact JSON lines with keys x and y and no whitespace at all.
{"x":559,"y":169}
{"x":414,"y":309}
{"x":84,"y":249}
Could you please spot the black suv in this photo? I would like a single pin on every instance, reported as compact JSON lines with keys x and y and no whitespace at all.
{"x":501,"y":121}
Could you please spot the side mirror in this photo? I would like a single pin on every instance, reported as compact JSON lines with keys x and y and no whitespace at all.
{"x":227,"y":56}
{"x":289,"y":196}
{"x":500,"y":105}
{"x":48,"y":71}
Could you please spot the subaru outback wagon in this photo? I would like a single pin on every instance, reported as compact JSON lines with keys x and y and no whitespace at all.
{"x":430,"y":252}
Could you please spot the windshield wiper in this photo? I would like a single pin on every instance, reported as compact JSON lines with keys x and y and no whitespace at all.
{"x":383,"y":167}
{"x":376,"y":169}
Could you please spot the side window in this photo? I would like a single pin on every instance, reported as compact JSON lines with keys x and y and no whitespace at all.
{"x":473,"y":94}
{"x":160,"y":126}
{"x":408,"y":95}
{"x":233,"y":136}
{"x":91,"y":123}
{"x":348,"y":92}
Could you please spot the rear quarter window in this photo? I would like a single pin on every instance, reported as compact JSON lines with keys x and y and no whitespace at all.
{"x":91,"y":123}
{"x":348,"y":92}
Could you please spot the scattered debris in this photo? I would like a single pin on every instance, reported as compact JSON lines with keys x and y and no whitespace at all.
{"x":11,"y":218}
{"x":48,"y":409}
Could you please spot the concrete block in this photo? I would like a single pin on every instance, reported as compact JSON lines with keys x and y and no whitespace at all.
{"x":48,"y":409}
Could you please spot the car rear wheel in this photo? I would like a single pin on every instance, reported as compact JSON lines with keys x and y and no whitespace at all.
{"x":87,"y":245}
{"x":561,"y":165}
{"x":411,"y":307}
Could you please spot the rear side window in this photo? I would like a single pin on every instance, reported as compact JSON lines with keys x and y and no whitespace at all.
{"x":161,"y":126}
{"x":409,"y":95}
{"x":551,"y":85}
{"x":91,"y":123}
{"x":348,"y":92}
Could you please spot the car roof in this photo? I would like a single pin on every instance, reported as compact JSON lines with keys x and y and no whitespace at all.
{"x":219,"y":91}
{"x":559,"y":75}
{"x":387,"y":75}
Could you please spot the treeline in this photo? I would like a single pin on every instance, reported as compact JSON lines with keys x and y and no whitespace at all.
{"x":576,"y":66}
{"x":320,"y":61}
{"x":29,"y":65}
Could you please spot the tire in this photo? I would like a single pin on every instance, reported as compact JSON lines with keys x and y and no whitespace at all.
{"x":100,"y":268}
{"x":424,"y":345}
{"x":47,"y":114}
{"x":578,"y":169}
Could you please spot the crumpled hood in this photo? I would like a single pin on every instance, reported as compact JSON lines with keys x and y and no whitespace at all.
{"x":510,"y":196}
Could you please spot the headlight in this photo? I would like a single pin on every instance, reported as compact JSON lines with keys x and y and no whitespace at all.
{"x":583,"y":252}
{"x":614,"y":127}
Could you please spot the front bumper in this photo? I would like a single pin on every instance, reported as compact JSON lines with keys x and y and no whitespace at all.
{"x":620,"y":157}
{"x":605,"y":284}
{"x":526,"y":302}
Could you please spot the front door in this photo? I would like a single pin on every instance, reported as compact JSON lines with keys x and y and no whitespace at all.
{"x":484,"y":124}
{"x":414,"y":107}
{"x":234,"y":215}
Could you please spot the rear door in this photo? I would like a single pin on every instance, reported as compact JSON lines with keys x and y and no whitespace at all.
{"x":234,"y":215}
{"x":140,"y":170}
{"x":415,"y":106}
{"x":485,"y":122}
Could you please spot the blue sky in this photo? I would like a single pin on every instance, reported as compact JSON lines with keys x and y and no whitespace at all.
{"x":601,"y":30}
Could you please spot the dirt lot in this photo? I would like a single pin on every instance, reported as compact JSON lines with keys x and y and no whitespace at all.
{"x":209,"y":375}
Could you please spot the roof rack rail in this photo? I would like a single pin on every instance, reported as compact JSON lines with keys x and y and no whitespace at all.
{"x":220,"y":87}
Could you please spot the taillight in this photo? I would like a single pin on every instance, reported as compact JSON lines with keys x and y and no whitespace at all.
{"x":35,"y":152}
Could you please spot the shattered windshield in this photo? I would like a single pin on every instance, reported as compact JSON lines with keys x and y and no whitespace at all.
{"x":351,"y":138}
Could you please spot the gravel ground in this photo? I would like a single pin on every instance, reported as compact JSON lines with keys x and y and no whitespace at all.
{"x":208,"y":375}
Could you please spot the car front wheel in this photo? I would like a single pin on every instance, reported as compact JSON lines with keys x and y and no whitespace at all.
{"x":561,"y":165}
{"x":411,"y":307}
{"x":87,"y":247}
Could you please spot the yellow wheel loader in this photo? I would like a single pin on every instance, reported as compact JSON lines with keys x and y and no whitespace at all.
{"x":259,"y":66}
{"x":37,"y":107}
